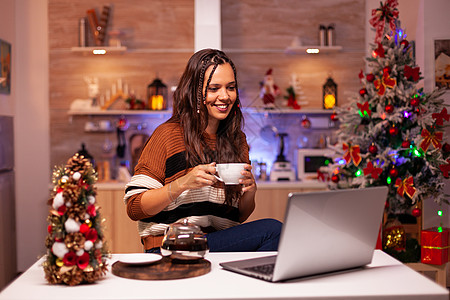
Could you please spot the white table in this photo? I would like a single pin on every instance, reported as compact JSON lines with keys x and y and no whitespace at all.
{"x":384,"y":278}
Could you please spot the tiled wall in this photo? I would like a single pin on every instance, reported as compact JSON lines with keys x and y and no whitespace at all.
{"x":160,"y":37}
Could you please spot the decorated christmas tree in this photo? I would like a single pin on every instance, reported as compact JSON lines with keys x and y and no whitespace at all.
{"x":75,"y":242}
{"x":392,"y":133}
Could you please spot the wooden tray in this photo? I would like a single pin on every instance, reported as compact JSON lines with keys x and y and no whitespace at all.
{"x":162,"y":269}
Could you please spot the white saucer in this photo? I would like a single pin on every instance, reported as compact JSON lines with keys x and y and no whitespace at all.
{"x":139,"y":258}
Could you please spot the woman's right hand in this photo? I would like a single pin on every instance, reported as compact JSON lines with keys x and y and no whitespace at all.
{"x":199,"y":176}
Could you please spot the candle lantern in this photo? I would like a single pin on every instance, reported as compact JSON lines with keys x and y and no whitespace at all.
{"x":329,"y":94}
{"x":157,"y":95}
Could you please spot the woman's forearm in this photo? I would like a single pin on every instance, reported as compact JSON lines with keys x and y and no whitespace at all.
{"x":246,"y":205}
{"x":155,"y":200}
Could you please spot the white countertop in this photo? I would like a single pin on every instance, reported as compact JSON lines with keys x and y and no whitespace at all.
{"x":309,"y":184}
{"x":384,"y":278}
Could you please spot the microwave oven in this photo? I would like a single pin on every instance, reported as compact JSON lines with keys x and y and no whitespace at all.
{"x":310,"y":160}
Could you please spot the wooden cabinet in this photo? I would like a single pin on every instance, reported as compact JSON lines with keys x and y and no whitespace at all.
{"x":271,"y":201}
{"x":121,"y":232}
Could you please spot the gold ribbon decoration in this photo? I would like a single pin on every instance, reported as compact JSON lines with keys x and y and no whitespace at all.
{"x":405,"y":186}
{"x":351,"y":153}
{"x":431,"y":138}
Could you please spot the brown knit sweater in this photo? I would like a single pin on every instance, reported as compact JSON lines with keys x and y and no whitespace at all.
{"x":162,"y":161}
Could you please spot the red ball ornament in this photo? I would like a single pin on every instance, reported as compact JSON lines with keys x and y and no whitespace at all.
{"x":415,"y":102}
{"x":405,"y":144}
{"x":373,"y":149}
{"x":416,"y":212}
{"x":387,"y":70}
{"x":393,"y":172}
{"x":306,"y":123}
{"x":446,"y":148}
{"x":334,"y":117}
{"x":405,"y":44}
{"x":335,"y":178}
{"x":370,"y":77}
{"x":393,"y":131}
{"x":389,"y":108}
{"x":363,"y":92}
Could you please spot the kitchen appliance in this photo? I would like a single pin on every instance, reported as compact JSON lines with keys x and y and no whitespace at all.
{"x":7,"y":202}
{"x":282,"y":169}
{"x":310,"y":160}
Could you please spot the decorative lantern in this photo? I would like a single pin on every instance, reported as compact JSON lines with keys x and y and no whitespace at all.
{"x":157,"y":95}
{"x":329,"y":94}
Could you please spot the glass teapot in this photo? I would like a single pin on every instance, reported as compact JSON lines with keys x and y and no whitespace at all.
{"x":184,"y":241}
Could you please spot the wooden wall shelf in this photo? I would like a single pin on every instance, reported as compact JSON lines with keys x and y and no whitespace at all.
{"x":108,"y":50}
{"x":321,"y":49}
{"x":117,"y":112}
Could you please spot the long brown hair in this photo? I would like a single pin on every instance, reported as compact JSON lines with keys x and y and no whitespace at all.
{"x":189,"y":111}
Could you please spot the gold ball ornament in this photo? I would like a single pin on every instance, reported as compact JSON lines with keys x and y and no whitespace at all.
{"x":59,"y":262}
{"x":394,"y":236}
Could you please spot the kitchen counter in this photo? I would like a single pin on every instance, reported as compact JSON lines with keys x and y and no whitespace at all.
{"x":384,"y":278}
{"x":308,"y":184}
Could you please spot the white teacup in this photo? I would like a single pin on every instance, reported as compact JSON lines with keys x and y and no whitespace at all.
{"x":230,"y":173}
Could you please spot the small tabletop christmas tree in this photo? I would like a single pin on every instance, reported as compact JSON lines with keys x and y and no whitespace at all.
{"x":75,"y":242}
{"x":392,"y":133}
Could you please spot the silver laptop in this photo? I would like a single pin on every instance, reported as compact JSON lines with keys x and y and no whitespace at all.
{"x":323,"y":232}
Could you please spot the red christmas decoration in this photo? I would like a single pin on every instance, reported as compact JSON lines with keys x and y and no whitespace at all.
{"x":440,"y":117}
{"x":363,"y":92}
{"x":446,"y":148}
{"x":335,"y":178}
{"x":412,"y":73}
{"x":431,"y":138}
{"x":351,"y":153}
{"x":389,"y":108}
{"x":370,"y":170}
{"x":393,"y":172}
{"x":405,"y":186}
{"x":406,"y":144}
{"x":361,"y":75}
{"x":334,"y":117}
{"x":306,"y":123}
{"x":416,"y":212}
{"x":405,"y":44}
{"x":386,"y":14}
{"x":379,"y":51}
{"x":370,"y":77}
{"x":393,"y":131}
{"x":384,"y":82}
{"x":373,"y":149}
{"x":414,"y":102}
{"x":365,"y":109}
{"x":445,"y":169}
{"x":387,"y":69}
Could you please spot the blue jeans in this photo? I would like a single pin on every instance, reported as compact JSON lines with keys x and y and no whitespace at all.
{"x":259,"y":235}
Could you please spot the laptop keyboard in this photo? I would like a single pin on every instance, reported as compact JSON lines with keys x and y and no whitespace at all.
{"x":262,"y":269}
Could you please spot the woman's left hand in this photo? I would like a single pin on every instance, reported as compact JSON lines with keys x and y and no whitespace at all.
{"x":248,"y":182}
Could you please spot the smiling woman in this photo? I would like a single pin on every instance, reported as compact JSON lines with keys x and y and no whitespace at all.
{"x":174,"y":178}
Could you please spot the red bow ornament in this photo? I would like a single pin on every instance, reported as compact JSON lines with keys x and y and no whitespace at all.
{"x":364,"y":108}
{"x":351,"y":153}
{"x":370,"y":170}
{"x":412,"y":73}
{"x":387,"y":13}
{"x":361,"y":76}
{"x":431,"y":138}
{"x":405,"y":186}
{"x":379,"y":52}
{"x":445,"y":169}
{"x":384,"y":82}
{"x":440,"y":117}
